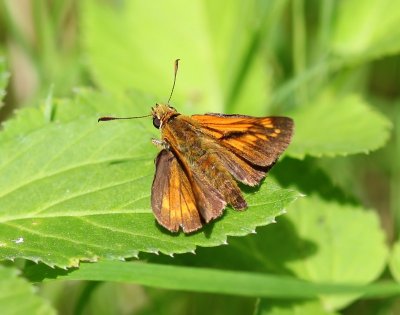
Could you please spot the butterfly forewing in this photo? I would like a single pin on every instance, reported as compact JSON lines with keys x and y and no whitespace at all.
{"x":172,"y":197}
{"x":259,"y":140}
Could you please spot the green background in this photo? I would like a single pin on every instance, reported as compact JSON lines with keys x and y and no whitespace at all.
{"x":77,"y":235}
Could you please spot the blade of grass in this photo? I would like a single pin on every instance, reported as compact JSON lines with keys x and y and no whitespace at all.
{"x":269,"y":15}
{"x":220,"y":281}
{"x":299,"y":48}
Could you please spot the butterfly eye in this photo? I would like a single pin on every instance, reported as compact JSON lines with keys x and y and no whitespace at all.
{"x":156,"y":122}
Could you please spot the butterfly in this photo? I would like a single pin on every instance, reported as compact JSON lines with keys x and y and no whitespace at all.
{"x":202,"y":159}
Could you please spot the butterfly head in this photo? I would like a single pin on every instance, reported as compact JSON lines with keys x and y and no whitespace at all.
{"x":161,"y":114}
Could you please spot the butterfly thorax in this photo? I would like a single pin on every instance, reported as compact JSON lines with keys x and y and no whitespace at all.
{"x":182,"y":134}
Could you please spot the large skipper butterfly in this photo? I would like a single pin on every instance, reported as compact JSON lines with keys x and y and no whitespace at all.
{"x":203,"y":156}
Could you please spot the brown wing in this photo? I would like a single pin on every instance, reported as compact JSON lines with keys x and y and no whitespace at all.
{"x":210,"y":201}
{"x":258,"y":140}
{"x":179,"y":202}
{"x":172,"y":197}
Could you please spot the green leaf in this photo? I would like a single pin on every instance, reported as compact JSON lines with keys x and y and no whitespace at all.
{"x":217,"y":56}
{"x":315,"y":240}
{"x":75,"y":190}
{"x":333,"y":126}
{"x":331,"y":235}
{"x":322,"y":239}
{"x":394,"y":262}
{"x":17,"y":296}
{"x":4,"y":75}
{"x":268,"y":307}
{"x":372,"y":32}
{"x":223,"y":282}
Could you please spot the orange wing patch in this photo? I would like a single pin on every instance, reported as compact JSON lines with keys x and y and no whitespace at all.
{"x":220,"y":125}
{"x":259,"y":140}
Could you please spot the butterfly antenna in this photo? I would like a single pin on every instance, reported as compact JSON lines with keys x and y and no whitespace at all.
{"x":173,"y":85}
{"x":106,"y":118}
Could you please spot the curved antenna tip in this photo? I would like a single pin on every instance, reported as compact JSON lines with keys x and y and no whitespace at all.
{"x":173,"y":85}
{"x":104,"y":118}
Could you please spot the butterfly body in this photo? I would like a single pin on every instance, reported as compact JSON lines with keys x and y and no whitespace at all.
{"x":202,"y":159}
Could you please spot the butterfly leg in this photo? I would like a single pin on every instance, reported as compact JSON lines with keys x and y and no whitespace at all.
{"x":160,"y":143}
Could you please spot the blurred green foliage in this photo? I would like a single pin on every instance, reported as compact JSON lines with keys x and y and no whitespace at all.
{"x":334,"y":66}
